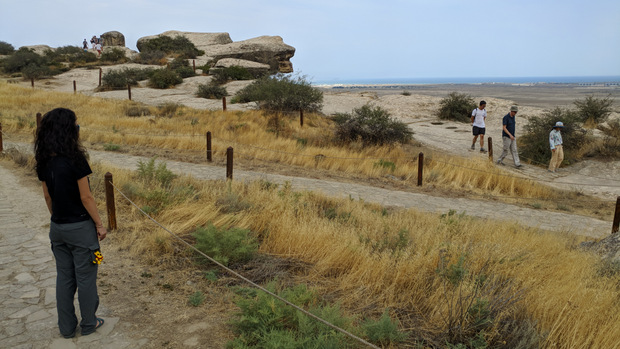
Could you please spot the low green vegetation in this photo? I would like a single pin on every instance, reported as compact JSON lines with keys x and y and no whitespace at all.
{"x":211,"y":91}
{"x":31,"y":65}
{"x":227,"y":246}
{"x":164,"y":78}
{"x":113,"y":56}
{"x":224,"y":75}
{"x":282,"y":93}
{"x":371,"y":125}
{"x":264,"y":322}
{"x":119,"y":79}
{"x":6,"y":48}
{"x":179,"y":46}
{"x":456,"y":106}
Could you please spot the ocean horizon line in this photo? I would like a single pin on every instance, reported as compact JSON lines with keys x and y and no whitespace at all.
{"x":585,"y":80}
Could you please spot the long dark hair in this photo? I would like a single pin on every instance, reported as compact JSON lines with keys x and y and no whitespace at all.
{"x":57,"y":136}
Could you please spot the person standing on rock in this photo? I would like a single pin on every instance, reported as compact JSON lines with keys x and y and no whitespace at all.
{"x":75,"y":226}
{"x":555,"y":141}
{"x":85,"y":45}
{"x":478,"y":117}
{"x":508,"y":137}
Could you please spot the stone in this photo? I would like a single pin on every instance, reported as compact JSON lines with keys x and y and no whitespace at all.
{"x":39,"y":49}
{"x":253,"y":67}
{"x":24,"y":278}
{"x":113,"y":38}
{"x":200,"y":40}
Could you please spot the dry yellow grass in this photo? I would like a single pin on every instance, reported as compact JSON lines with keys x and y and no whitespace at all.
{"x":369,"y":258}
{"x":254,"y":140}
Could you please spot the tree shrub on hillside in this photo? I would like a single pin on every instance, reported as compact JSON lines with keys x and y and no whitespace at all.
{"x":119,"y":79}
{"x":223,"y":75}
{"x":70,"y":54}
{"x":371,"y":125}
{"x":593,"y":111}
{"x":282,"y":93}
{"x":114,"y":55}
{"x":179,"y":45}
{"x":22,"y":58}
{"x":6,"y":48}
{"x":456,"y":106}
{"x":211,"y":91}
{"x":154,"y":57}
{"x":534,"y":144}
{"x":182,"y":68}
{"x":164,"y":78}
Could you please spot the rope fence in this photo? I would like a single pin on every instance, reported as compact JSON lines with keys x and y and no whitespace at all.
{"x":110,"y":187}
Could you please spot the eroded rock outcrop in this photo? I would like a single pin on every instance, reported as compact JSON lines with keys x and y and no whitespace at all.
{"x":113,"y":38}
{"x":269,"y":50}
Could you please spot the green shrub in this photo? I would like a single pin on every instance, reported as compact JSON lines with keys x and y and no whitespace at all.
{"x":33,"y":71}
{"x":22,"y":58}
{"x":594,"y":111}
{"x":534,"y":144}
{"x":371,"y":125}
{"x":114,"y":55}
{"x":155,"y":57}
{"x":118,"y":79}
{"x":226,"y":246}
{"x":211,"y":91}
{"x":383,"y":331}
{"x":178,"y":45}
{"x":282,"y":93}
{"x":196,"y":299}
{"x":111,"y":147}
{"x":164,"y":78}
{"x":150,"y":171}
{"x":456,"y":106}
{"x":223,"y":75}
{"x":6,"y":48}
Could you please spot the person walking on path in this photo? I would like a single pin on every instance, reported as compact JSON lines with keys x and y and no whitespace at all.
{"x":85,"y":45}
{"x":555,"y":141}
{"x":508,"y":137}
{"x":75,"y":227}
{"x":478,"y":117}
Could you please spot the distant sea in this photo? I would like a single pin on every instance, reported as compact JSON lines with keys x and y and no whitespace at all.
{"x":586,"y":80}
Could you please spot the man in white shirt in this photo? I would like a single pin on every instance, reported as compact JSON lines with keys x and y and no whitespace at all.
{"x":478,"y":116}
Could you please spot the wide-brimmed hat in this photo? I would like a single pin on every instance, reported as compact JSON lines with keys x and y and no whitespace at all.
{"x":514,"y":108}
{"x":559,"y":124}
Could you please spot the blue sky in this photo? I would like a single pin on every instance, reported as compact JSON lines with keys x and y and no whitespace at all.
{"x":346,"y":39}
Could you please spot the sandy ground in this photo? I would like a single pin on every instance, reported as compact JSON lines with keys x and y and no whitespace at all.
{"x":417,"y":109}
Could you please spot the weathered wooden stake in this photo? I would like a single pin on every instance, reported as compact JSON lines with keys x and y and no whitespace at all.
{"x":109,"y":200}
{"x":491,"y":149}
{"x":38,"y":120}
{"x":194,"y":65}
{"x":229,"y":163}
{"x":209,"y":149}
{"x":74,"y":87}
{"x":420,"y":168}
{"x":129,"y":90}
{"x":616,"y":225}
{"x":1,"y":146}
{"x":100,"y":72}
{"x":224,"y":103}
{"x":32,"y":82}
{"x":301,"y":118}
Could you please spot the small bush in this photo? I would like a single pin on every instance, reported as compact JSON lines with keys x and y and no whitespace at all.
{"x":383,"y":331}
{"x":223,"y":75}
{"x":456,"y":106}
{"x":111,"y":147}
{"x":168,"y":109}
{"x":164,"y":78}
{"x":22,"y":58}
{"x":182,"y":68}
{"x":33,"y":71}
{"x":135,"y":110}
{"x":226,"y":246}
{"x":211,"y":91}
{"x":6,"y":48}
{"x":196,"y":299}
{"x":114,"y":55}
{"x":150,"y":171}
{"x":593,"y":111}
{"x":178,"y":45}
{"x":155,"y":57}
{"x":371,"y":125}
{"x":282,"y":93}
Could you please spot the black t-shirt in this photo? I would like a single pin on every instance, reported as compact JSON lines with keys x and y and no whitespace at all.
{"x":61,"y":176}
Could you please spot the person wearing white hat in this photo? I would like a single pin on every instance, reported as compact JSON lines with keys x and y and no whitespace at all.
{"x":555,"y":141}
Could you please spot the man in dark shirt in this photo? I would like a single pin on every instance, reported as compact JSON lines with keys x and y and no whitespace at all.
{"x":508,"y":137}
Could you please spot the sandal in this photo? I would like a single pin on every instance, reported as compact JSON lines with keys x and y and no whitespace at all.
{"x":100,"y":322}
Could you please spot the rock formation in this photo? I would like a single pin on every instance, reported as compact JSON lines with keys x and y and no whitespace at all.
{"x":253,"y":67}
{"x":113,"y":38}
{"x":269,"y":50}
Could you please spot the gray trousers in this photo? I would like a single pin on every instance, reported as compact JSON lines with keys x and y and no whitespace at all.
{"x":512,"y":145}
{"x":73,"y":245}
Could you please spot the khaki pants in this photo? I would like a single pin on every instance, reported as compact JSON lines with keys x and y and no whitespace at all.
{"x":510,"y":144}
{"x":557,"y":157}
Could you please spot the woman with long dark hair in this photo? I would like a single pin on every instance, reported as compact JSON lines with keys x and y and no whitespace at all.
{"x":75,"y":227}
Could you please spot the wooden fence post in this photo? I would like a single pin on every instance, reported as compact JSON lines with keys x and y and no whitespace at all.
{"x":38,"y":120}
{"x":1,"y":146}
{"x":229,"y":163}
{"x":32,"y":82}
{"x":129,"y":90}
{"x":209,"y":149}
{"x":224,"y":103}
{"x":491,"y":149}
{"x":194,"y":65}
{"x":616,"y":225}
{"x":420,"y":168}
{"x":301,"y":118}
{"x":100,"y":72}
{"x":74,"y":87}
{"x":109,"y":200}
